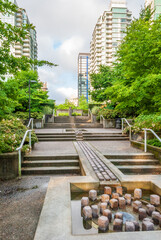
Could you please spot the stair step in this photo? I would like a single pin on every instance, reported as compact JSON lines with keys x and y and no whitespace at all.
{"x":134,"y":161}
{"x":50,"y":170}
{"x":56,"y":139}
{"x":130,"y":156}
{"x":50,"y":163}
{"x":106,"y":138}
{"x":142,"y":169}
{"x":73,"y":125}
{"x":44,"y":158}
{"x":55,"y":135}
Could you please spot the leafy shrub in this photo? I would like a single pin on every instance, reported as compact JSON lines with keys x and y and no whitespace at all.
{"x":154,"y":142}
{"x":95,"y":110}
{"x":76,"y":114}
{"x":152,"y":121}
{"x":25,"y":115}
{"x":63,"y":115}
{"x":47,"y":110}
{"x":12,"y":132}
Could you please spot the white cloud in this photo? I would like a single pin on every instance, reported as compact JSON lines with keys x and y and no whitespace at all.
{"x":71,"y":23}
{"x":67,"y":92}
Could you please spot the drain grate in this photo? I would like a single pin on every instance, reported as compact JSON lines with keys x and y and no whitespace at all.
{"x":99,"y":167}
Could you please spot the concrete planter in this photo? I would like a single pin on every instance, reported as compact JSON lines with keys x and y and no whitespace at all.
{"x":38,"y":123}
{"x":109,"y":123}
{"x":8,"y":165}
{"x":155,"y":150}
{"x":93,"y":118}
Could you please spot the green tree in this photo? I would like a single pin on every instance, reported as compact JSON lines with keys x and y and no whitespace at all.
{"x":83,"y":104}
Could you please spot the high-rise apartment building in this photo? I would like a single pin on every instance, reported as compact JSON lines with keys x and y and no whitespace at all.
{"x":108,"y":33}
{"x":156,"y":6}
{"x":83,"y":75}
{"x":29,"y":46}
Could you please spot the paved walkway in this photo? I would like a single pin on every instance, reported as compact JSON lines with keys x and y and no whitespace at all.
{"x":53,"y":148}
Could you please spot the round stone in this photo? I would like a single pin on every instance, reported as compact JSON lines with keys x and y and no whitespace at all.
{"x":118,"y":215}
{"x":150,"y":209}
{"x":128,"y":198}
{"x":84,"y":201}
{"x":155,"y":200}
{"x":95,"y":211}
{"x":142,"y":214}
{"x":138,"y":193}
{"x":103,"y":223}
{"x":93,"y":195}
{"x":103,"y":206}
{"x":107,"y":190}
{"x":87,"y":213}
{"x":105,"y":198}
{"x":107,"y":213}
{"x":119,"y":190}
{"x":117,"y":225}
{"x":129,"y":227}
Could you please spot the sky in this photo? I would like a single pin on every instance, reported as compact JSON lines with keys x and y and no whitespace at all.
{"x":64,"y":29}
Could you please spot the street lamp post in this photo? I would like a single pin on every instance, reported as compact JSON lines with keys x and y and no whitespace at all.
{"x":30,"y":81}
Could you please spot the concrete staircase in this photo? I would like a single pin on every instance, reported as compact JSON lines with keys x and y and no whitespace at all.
{"x":40,"y":165}
{"x":73,"y":122}
{"x":104,"y":137}
{"x":132,"y":164}
{"x":44,"y":137}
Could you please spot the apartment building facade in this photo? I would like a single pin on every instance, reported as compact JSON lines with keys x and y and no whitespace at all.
{"x":156,"y":5}
{"x":83,"y":75}
{"x":29,"y":46}
{"x":108,"y":34}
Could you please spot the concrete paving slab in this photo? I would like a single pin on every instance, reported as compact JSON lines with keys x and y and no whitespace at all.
{"x":53,"y":148}
{"x":114,"y":147}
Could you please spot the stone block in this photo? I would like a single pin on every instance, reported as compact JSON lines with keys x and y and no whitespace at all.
{"x":142,"y":214}
{"x":155,"y":200}
{"x":107,"y":213}
{"x":114,"y":204}
{"x":147,"y":226}
{"x":103,"y":223}
{"x":87,"y":213}
{"x":93,"y":195}
{"x":137,"y":193}
{"x":95,"y":211}
{"x":122,"y":202}
{"x":115,"y":195}
{"x":160,"y":221}
{"x":119,"y":190}
{"x":129,"y":227}
{"x":150,"y":209}
{"x":148,"y":219}
{"x":128,"y":198}
{"x":105,"y":198}
{"x":137,"y":226}
{"x":103,"y":206}
{"x":156,"y":217}
{"x":107,"y":190}
{"x":117,"y":225}
{"x":118,"y":215}
{"x":136,"y":205}
{"x":84,"y":201}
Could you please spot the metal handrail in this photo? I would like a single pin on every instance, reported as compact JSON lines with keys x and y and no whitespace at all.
{"x":20,"y":148}
{"x":31,"y":122}
{"x":130,"y":126}
{"x":145,"y":137}
{"x":101,"y":119}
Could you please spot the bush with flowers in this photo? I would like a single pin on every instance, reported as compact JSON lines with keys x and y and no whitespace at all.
{"x":12,"y":132}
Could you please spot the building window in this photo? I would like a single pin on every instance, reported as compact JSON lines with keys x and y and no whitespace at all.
{"x":119,"y":10}
{"x":119,"y":15}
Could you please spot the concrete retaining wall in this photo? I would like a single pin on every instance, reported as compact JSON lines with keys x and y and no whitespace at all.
{"x":8,"y":165}
{"x":155,"y":150}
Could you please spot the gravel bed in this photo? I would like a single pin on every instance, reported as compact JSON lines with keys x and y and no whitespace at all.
{"x":21,"y":202}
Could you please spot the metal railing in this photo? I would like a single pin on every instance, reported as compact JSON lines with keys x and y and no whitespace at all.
{"x":101,"y":119}
{"x":145,"y":137}
{"x":20,"y":148}
{"x":31,"y":122}
{"x":130,"y":126}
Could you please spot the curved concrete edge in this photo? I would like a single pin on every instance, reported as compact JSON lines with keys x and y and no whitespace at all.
{"x":55,"y":219}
